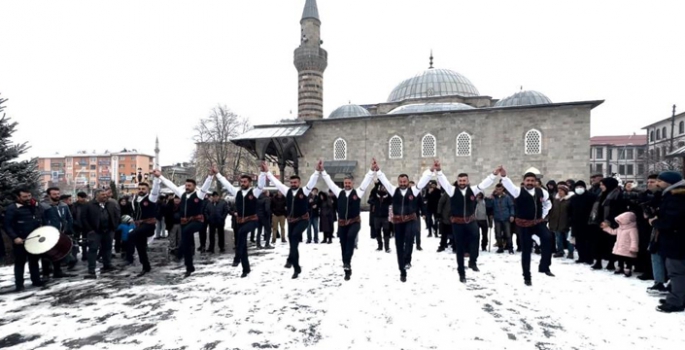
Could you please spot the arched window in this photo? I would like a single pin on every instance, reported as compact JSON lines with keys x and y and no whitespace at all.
{"x":663,"y":133}
{"x":463,"y":145}
{"x":428,"y":146}
{"x":681,"y":127}
{"x":533,"y":142}
{"x":340,"y":149}
{"x":395,"y":147}
{"x":651,"y":136}
{"x":658,"y":134}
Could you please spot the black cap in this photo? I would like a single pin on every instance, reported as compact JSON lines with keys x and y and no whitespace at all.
{"x":596,"y":175}
{"x":64,"y":196}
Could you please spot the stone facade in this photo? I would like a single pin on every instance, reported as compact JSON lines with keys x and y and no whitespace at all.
{"x":497,"y":138}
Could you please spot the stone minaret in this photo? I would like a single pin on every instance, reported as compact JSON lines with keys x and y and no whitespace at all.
{"x":156,"y":166}
{"x":311,"y":61}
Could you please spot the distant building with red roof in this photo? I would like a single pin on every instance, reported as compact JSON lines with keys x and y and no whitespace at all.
{"x":623,"y":154}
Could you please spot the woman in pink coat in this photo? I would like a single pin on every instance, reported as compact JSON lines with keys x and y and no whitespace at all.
{"x":626,"y":247}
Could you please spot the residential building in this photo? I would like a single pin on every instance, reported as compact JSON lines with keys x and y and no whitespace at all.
{"x":659,"y":143}
{"x":623,"y":155}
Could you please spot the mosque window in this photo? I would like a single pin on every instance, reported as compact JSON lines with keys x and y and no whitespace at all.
{"x":428,"y":146}
{"x":463,"y":145}
{"x":340,"y":149}
{"x":395,"y":147}
{"x":533,"y":142}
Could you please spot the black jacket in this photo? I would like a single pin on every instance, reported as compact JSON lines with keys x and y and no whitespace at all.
{"x":21,"y":220}
{"x":216,"y":212}
{"x":579,"y":210}
{"x":264,"y":206}
{"x":670,"y":222}
{"x":91,"y":216}
{"x":278,"y":205}
{"x":432,"y":199}
{"x":314,"y":205}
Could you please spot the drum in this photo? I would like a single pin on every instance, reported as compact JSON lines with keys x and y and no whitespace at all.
{"x":48,"y":241}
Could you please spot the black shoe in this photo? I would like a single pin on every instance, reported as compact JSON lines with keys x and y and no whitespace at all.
{"x":348,"y":273}
{"x":441,"y":249}
{"x":657,"y":288}
{"x":518,"y":250}
{"x":403,"y":278}
{"x":618,"y":272}
{"x":419,"y":248}
{"x":569,"y":256}
{"x":71,"y":265}
{"x":646,"y":277}
{"x":379,"y":249}
{"x":200,"y":249}
{"x":235,"y":263}
{"x":387,"y":250}
{"x":298,"y":270}
{"x":63,"y":275}
{"x":268,"y":246}
{"x":430,"y":235}
{"x":597,"y":266}
{"x":252,"y":240}
{"x":500,"y":251}
{"x":245,"y":273}
{"x":259,"y":246}
{"x":288,"y":265}
{"x":558,"y":255}
{"x":537,"y":251}
{"x":628,"y":273}
{"x":309,"y":242}
{"x":187,"y":274}
{"x":407,"y":267}
{"x":483,"y":248}
{"x":528,"y":282}
{"x":662,"y":301}
{"x":222,"y":251}
{"x":511,"y":252}
{"x":107,"y":269}
{"x":90,"y":276}
{"x":611,"y":267}
{"x":142,"y":273}
{"x":474,"y":267}
{"x":462,"y":279}
{"x":549,"y":273}
{"x":580,"y":261}
{"x":668,"y":308}
{"x":19,"y":289}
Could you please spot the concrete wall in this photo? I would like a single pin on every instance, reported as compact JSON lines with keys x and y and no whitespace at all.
{"x":497,"y":138}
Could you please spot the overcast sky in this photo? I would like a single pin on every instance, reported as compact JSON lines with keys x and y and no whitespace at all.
{"x":99,"y":75}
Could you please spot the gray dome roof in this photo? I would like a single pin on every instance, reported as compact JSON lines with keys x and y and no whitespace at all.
{"x":429,"y":107}
{"x":524,"y":98}
{"x":349,"y":111}
{"x":433,"y":82}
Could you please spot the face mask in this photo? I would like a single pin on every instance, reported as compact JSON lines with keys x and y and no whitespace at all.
{"x":580,"y":191}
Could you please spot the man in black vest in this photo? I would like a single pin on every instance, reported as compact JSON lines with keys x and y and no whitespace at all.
{"x":192,"y":217}
{"x":246,"y":219}
{"x":145,"y":217}
{"x":297,"y":204}
{"x":404,"y":208}
{"x":349,"y":210}
{"x":463,"y":215}
{"x":532,"y":207}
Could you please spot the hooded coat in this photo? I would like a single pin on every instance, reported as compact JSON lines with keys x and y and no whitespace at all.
{"x":670,"y":222}
{"x":627,"y":238}
{"x":580,"y":208}
{"x":610,"y":204}
{"x":559,"y":215}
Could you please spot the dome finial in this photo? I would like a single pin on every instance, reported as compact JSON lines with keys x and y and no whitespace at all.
{"x":521,"y":88}
{"x":431,"y":60}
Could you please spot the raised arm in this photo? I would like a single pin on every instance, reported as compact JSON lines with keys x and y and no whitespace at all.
{"x":386,"y":183}
{"x":279,"y":185}
{"x":232,"y":190}
{"x":423,"y":181}
{"x":513,"y":190}
{"x":444,"y":183}
{"x":205,"y":187}
{"x":329,"y":182}
{"x":154,"y":192}
{"x":368,"y":178}
{"x":487,"y":182}
{"x":178,"y":190}
{"x":311,"y":184}
{"x":546,"y":203}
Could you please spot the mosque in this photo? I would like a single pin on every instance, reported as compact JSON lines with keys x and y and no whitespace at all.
{"x":436,"y":113}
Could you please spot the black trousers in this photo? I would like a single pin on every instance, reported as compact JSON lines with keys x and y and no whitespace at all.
{"x":216,"y":230}
{"x":382,"y":225}
{"x":446,"y":234}
{"x":295,"y":231}
{"x":21,"y":256}
{"x":187,"y":248}
{"x":431,"y":223}
{"x":583,"y":242}
{"x":264,"y":226}
{"x":137,"y":240}
{"x":404,"y":243}
{"x":99,"y":242}
{"x":545,"y":244}
{"x":241,"y":245}
{"x":483,"y":226}
{"x":417,"y":234}
{"x":465,"y":239}
{"x":203,"y":235}
{"x":348,"y":235}
{"x":624,"y":262}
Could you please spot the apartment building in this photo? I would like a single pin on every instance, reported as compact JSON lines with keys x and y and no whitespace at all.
{"x":659,"y":143}
{"x":623,"y":155}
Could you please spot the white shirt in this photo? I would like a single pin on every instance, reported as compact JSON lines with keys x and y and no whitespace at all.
{"x":336,"y":190}
{"x":234,"y":190}
{"x":180,"y":190}
{"x":425,"y":178}
{"x":516,"y":192}
{"x":444,"y":183}
{"x":284,"y":189}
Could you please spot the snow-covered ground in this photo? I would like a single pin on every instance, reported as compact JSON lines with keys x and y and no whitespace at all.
{"x":216,"y":309}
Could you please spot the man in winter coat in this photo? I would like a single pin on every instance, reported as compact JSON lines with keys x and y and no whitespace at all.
{"x":56,"y":213}
{"x":504,"y":214}
{"x":381,"y":202}
{"x":558,"y":221}
{"x":670,"y":223}
{"x":579,"y":210}
{"x":278,"y":212}
{"x":432,"y":198}
{"x":445,"y":215}
{"x":216,"y":211}
{"x":264,"y":215}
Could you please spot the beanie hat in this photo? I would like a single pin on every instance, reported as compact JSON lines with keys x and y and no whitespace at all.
{"x":581,"y":183}
{"x":610,"y":183}
{"x":670,"y":177}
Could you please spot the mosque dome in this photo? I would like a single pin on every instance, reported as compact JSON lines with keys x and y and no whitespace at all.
{"x":524,"y":98}
{"x":430,"y":107}
{"x":433,"y":82}
{"x":349,"y":111}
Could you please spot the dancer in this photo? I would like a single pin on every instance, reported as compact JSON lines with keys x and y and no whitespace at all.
{"x":462,"y":215}
{"x":145,"y":218}
{"x":191,"y":214}
{"x":349,"y":209}
{"x":297,"y":204}
{"x":246,"y":219}
{"x":404,"y":207}
{"x":532,"y":206}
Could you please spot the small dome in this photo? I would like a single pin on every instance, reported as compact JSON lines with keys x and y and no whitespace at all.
{"x":433,"y":82}
{"x":524,"y":98}
{"x":349,"y":111}
{"x":429,"y":107}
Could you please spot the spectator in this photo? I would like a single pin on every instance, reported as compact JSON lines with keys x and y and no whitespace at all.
{"x":278,"y":211}
{"x":608,"y":206}
{"x":314,"y":210}
{"x":264,"y":215}
{"x":482,"y":219}
{"x":217,"y":211}
{"x":580,"y":208}
{"x":559,"y":221}
{"x":503,"y":210}
{"x":444,"y":212}
{"x":327,"y":218}
{"x":626,"y":246}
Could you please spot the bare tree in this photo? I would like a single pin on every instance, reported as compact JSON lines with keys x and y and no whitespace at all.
{"x":213,"y":136}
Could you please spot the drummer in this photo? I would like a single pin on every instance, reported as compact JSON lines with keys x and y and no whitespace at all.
{"x":56,"y":213}
{"x":21,"y":218}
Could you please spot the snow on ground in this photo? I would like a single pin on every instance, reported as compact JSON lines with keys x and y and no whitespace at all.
{"x":215,"y":309}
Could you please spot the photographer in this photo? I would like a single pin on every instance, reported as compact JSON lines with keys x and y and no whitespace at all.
{"x":669,"y":223}
{"x":649,"y":203}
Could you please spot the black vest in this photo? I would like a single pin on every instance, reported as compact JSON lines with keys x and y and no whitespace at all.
{"x":349,"y":208}
{"x":529,"y":207}
{"x":463,"y":206}
{"x":404,"y":205}
{"x":246,"y":206}
{"x":297,"y":205}
{"x":144,"y":209}
{"x":381,"y":206}
{"x":191,"y":205}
